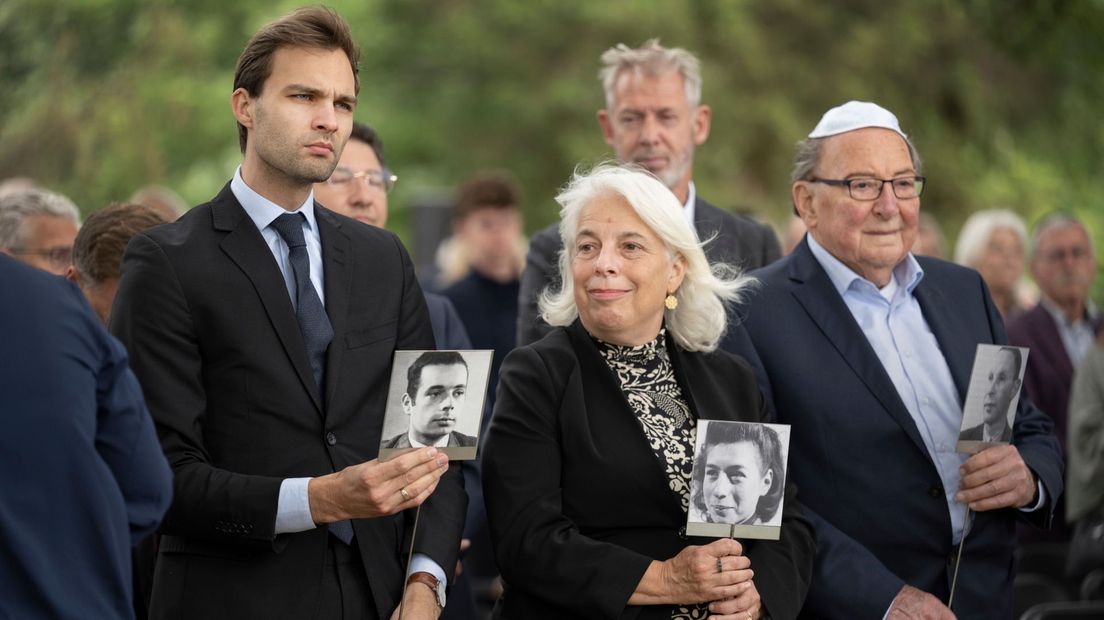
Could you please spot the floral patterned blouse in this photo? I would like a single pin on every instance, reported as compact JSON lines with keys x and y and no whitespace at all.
{"x":648,"y":382}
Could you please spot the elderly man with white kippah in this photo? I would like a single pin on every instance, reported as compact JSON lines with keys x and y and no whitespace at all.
{"x":869,"y":351}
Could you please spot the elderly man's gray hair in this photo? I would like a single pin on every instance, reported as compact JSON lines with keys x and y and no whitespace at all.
{"x":651,"y":59}
{"x":18,"y":207}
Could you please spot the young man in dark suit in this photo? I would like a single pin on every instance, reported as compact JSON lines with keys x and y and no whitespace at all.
{"x":654,"y":118}
{"x":262,"y":327}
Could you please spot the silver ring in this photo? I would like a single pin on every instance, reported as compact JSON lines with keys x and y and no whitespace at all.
{"x":719,"y":569}
{"x":405,"y":495}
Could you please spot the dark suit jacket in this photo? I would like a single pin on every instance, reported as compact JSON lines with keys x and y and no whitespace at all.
{"x":206,"y":315}
{"x":579,"y":505}
{"x":82,"y":476}
{"x":456,"y":440}
{"x":1048,"y":378}
{"x":448,"y":329}
{"x":977,"y":433}
{"x":870,"y":487}
{"x":729,"y":238}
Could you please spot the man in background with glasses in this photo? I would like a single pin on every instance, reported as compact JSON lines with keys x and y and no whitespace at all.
{"x":869,"y":352}
{"x":38,"y":227}
{"x":359,"y":185}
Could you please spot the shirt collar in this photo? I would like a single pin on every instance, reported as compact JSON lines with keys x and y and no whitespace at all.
{"x":843,"y":277}
{"x":262,"y":210}
{"x":688,"y":206}
{"x":1060,"y":316}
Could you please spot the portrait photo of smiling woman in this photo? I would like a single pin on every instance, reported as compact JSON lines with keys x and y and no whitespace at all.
{"x":739,"y":480}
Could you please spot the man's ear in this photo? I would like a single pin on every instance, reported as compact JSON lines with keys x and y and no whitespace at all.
{"x":71,"y":274}
{"x":242,"y":105}
{"x":407,"y":403}
{"x":802,"y":195}
{"x":703,"y":117}
{"x":768,"y":481}
{"x":606,"y":123}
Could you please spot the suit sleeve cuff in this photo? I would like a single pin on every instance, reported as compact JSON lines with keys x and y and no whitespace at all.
{"x":293,"y":507}
{"x":422,"y":563}
{"x":1042,"y":498}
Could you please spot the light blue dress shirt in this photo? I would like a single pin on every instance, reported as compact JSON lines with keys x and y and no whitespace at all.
{"x":894,"y":325}
{"x":1077,"y":336}
{"x":293,"y":506}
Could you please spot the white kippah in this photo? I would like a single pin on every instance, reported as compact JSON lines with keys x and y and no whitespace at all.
{"x":855,"y":115}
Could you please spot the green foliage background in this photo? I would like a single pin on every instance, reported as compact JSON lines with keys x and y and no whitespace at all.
{"x":1002,"y":97}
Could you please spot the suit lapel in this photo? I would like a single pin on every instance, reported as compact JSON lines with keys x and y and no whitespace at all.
{"x":244,"y":245}
{"x":958,"y":345}
{"x":815,"y":292}
{"x":338,"y":269}
{"x":613,"y":417}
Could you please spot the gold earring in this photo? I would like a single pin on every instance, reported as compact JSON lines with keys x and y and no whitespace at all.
{"x":671,"y":302}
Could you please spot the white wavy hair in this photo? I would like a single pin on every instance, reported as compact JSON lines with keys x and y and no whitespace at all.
{"x":977,"y":230}
{"x":700,"y":321}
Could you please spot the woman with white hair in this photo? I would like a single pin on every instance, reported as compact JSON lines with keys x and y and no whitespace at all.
{"x":993,"y":242}
{"x":589,"y":456}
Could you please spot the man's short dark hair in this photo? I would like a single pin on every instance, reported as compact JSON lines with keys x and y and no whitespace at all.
{"x":430,"y":358}
{"x":98,"y":248}
{"x":495,"y":190}
{"x":367,"y":135}
{"x":308,"y":27}
{"x":1017,"y":357}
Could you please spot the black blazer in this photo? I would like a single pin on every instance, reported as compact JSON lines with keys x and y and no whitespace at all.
{"x":729,"y":238}
{"x":204,"y":311}
{"x":867,"y":481}
{"x":579,"y":505}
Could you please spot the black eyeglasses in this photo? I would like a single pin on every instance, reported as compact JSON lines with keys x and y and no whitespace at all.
{"x":867,"y":188}
{"x":376,"y":179}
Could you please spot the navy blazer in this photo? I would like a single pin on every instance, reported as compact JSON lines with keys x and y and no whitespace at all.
{"x":729,"y":238}
{"x":82,"y":476}
{"x":868,"y":483}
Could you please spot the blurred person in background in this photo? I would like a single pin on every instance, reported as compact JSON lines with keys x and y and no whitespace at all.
{"x":1084,"y":490}
{"x":82,"y":475}
{"x":994,"y":242}
{"x":1059,"y":330}
{"x":166,"y":202}
{"x":654,"y":118}
{"x":98,"y":251}
{"x":929,"y":238}
{"x":38,"y":227}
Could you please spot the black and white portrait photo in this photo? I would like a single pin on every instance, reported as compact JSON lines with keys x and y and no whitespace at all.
{"x":991,"y":399}
{"x":436,"y":399}
{"x":739,"y":480}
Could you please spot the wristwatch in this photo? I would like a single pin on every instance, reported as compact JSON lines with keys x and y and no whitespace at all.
{"x":429,"y":580}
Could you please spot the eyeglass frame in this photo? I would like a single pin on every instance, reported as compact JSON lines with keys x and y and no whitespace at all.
{"x":384,"y":176}
{"x":57,"y":256}
{"x":923,"y":181}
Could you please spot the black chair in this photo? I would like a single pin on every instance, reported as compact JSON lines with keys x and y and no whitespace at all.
{"x":1080,"y":610}
{"x":1031,"y":590}
{"x":1048,"y":558}
{"x":1092,"y":586}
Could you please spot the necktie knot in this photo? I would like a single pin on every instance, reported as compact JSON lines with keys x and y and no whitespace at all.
{"x":290,"y":228}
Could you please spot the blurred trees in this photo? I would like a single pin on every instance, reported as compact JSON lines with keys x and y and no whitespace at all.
{"x":1002,"y":97}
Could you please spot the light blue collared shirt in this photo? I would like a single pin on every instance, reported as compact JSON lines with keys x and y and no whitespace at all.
{"x":293,"y":506}
{"x":1077,"y":336}
{"x":894,"y":325}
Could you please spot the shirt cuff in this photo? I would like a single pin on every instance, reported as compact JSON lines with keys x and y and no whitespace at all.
{"x":422,"y":563}
{"x":1042,"y":498}
{"x":293,"y":508}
